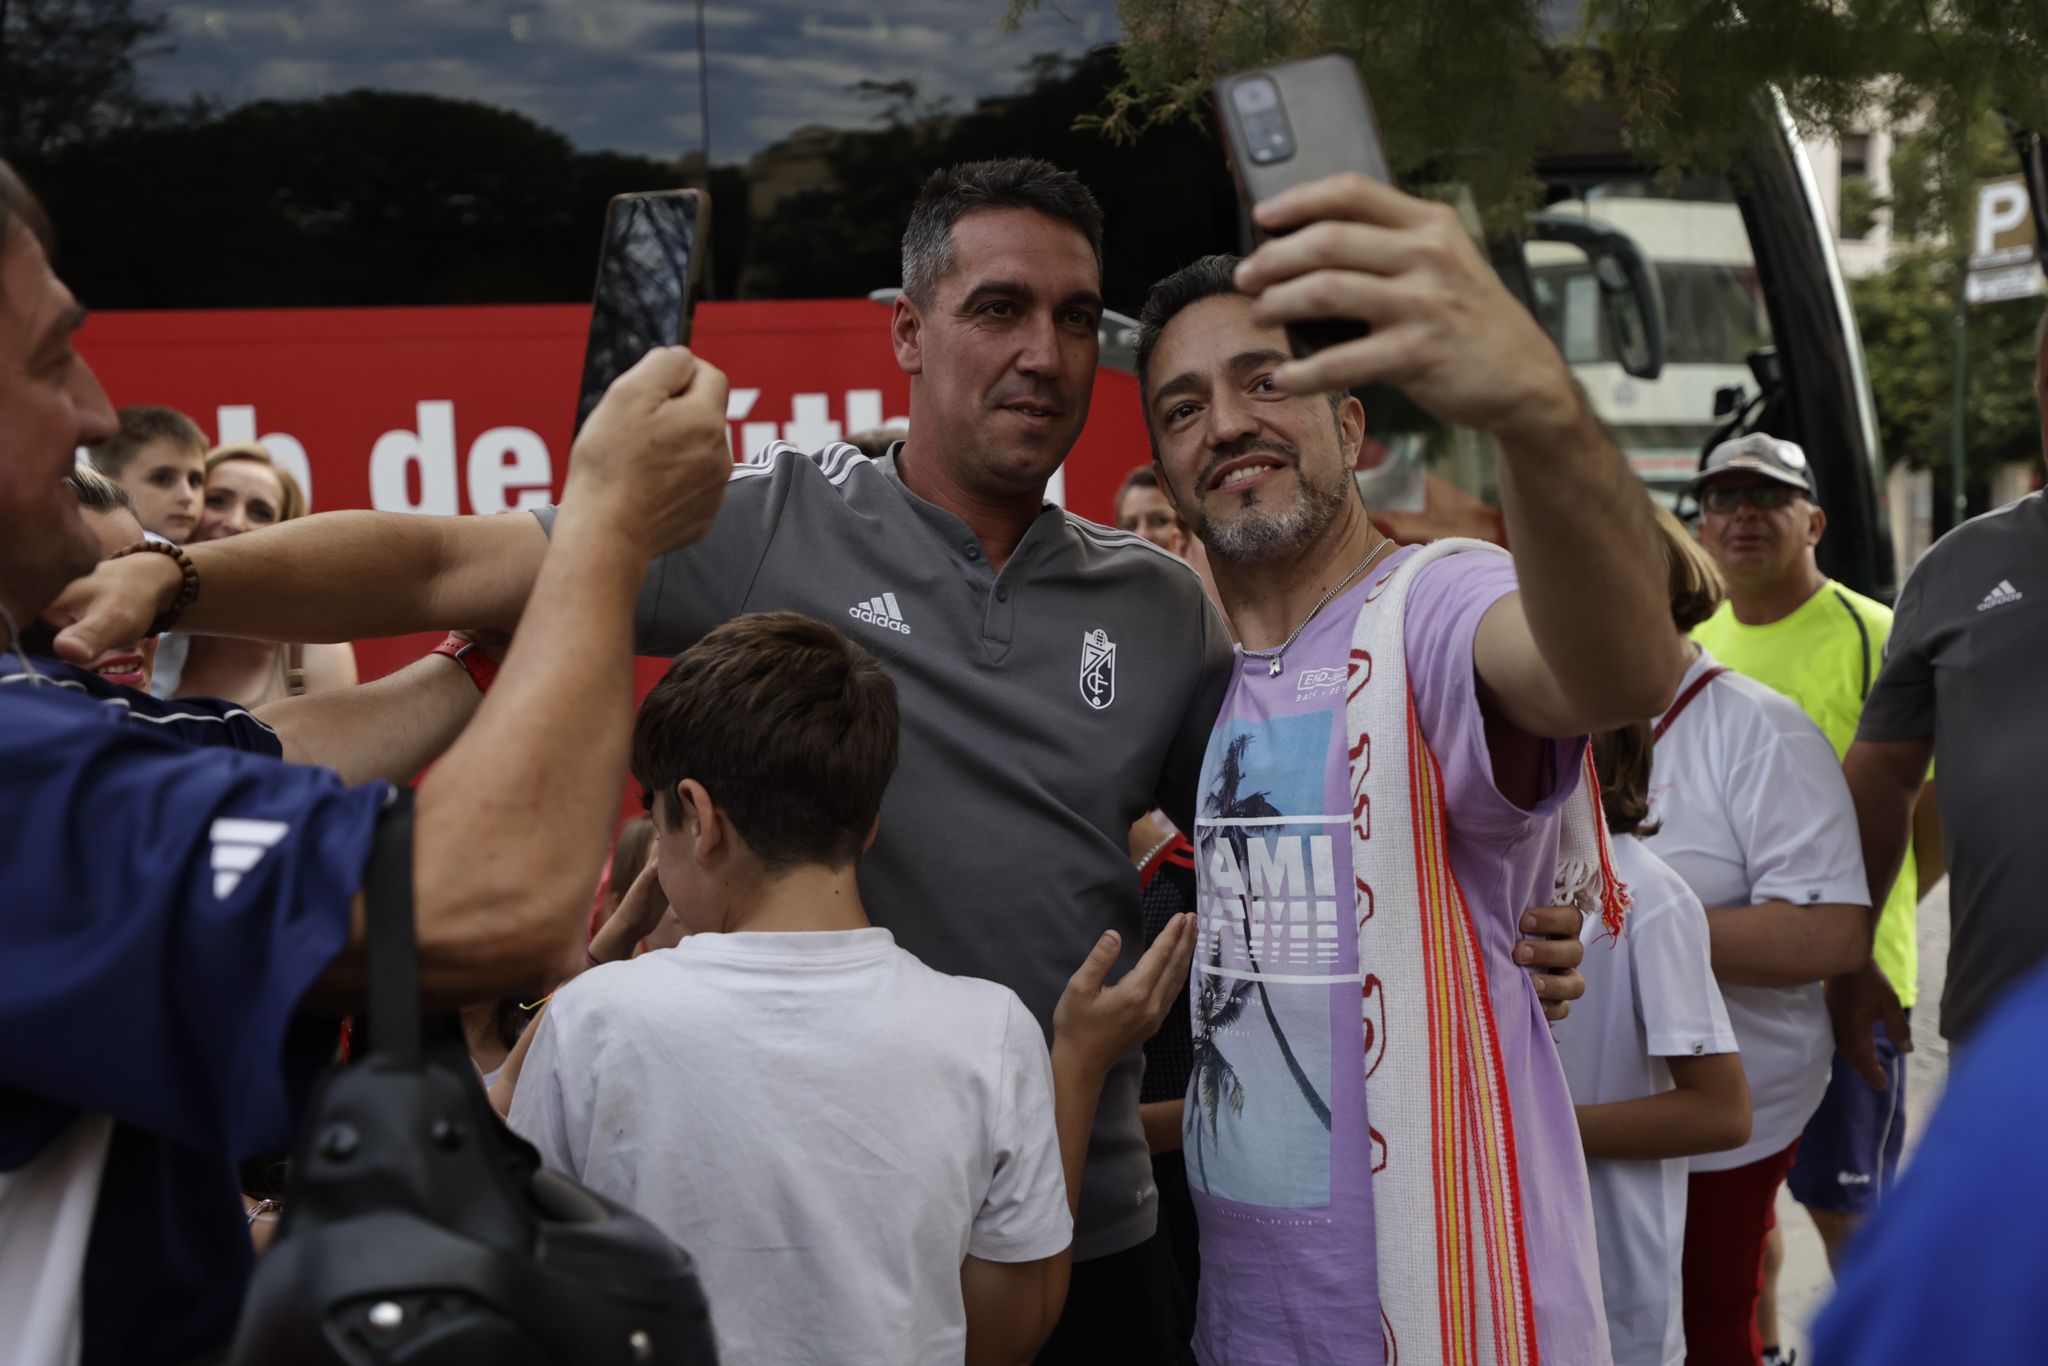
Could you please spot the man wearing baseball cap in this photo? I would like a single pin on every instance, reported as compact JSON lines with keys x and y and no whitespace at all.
{"x":1789,"y":626}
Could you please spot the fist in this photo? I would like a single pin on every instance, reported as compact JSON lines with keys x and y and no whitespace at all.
{"x":653,"y":454}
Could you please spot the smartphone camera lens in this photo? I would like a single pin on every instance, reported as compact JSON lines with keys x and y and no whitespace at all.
{"x":1266,"y":134}
{"x":1255,"y":96}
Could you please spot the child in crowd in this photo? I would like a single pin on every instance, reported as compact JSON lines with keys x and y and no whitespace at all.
{"x":870,"y":1160}
{"x":158,"y":457}
{"x":1652,"y":1065}
{"x":111,"y":515}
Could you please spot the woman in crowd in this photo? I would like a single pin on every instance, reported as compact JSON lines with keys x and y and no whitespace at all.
{"x":1752,"y":812}
{"x":247,"y":491}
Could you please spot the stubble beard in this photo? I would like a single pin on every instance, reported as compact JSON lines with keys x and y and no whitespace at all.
{"x":1263,"y":533}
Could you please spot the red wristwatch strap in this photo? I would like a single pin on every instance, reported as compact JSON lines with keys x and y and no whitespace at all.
{"x":480,"y":667}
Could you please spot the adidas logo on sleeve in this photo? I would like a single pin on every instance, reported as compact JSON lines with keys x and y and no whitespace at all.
{"x":238,"y":846}
{"x":880,"y":611}
{"x":2000,"y":596}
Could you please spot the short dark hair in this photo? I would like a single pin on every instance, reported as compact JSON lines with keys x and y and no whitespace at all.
{"x":1622,"y":759}
{"x":949,"y":195}
{"x":1192,"y":283}
{"x":1139,"y":478}
{"x":19,"y":208}
{"x":790,"y":726}
{"x":18,"y":204}
{"x":142,"y":423}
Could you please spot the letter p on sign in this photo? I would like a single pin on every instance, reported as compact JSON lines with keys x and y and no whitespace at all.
{"x":2005,"y":228}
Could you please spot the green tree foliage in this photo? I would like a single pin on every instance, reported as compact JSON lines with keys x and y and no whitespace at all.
{"x":1477,"y":90}
{"x":1907,"y":316}
{"x":67,"y":71}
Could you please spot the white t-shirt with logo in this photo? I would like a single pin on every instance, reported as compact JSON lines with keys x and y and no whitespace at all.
{"x":1752,"y":807}
{"x":1650,"y":995}
{"x":828,"y":1126}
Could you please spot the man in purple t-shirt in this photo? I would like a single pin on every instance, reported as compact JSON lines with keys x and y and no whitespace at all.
{"x":1509,"y":665}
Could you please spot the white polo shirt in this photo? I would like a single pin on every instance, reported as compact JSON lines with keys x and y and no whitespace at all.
{"x":1751,"y":807}
{"x":1650,"y":995}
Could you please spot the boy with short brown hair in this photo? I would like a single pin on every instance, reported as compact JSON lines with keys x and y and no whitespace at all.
{"x":870,"y":1160}
{"x":158,"y":457}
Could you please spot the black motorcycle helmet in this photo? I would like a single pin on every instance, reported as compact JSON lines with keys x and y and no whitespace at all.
{"x":420,"y":1231}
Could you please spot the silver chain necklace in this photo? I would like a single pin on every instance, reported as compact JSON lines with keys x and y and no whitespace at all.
{"x":1274,"y":657}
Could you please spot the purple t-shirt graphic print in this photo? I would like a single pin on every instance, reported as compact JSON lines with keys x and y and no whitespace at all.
{"x":1275,"y":1133}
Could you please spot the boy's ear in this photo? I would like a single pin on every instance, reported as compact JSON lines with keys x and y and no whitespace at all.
{"x":702,"y":827}
{"x":873,"y":830}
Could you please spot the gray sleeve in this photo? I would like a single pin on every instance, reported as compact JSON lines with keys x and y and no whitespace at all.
{"x":1901,"y":701}
{"x":1182,"y":774}
{"x":689,"y":592}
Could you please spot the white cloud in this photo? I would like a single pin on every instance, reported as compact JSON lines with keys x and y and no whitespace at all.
{"x":620,"y":74}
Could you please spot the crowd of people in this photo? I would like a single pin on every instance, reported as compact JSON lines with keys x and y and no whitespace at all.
{"x":1230,"y":936}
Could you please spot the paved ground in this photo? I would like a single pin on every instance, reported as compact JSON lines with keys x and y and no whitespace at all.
{"x":1805,"y":1283}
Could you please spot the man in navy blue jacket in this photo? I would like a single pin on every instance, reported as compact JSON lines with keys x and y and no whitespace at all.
{"x":180,"y":920}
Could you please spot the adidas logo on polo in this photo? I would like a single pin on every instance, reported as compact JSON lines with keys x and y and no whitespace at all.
{"x":2000,"y":596}
{"x":238,"y":846}
{"x":881,"y":612}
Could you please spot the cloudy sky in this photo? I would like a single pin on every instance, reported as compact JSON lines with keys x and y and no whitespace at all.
{"x":619,"y":75}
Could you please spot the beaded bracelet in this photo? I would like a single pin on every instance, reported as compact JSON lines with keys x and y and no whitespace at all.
{"x":188,"y":592}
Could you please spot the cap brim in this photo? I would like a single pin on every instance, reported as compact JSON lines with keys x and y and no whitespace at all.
{"x":1745,"y":465}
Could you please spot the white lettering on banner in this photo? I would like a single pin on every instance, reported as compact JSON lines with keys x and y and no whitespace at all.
{"x":510,"y":469}
{"x":508,"y":458}
{"x":863,"y":410}
{"x":810,"y":425}
{"x":431,"y":449}
{"x":235,"y":423}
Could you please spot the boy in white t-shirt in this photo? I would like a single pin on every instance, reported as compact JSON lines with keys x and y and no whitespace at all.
{"x":861,"y":1153}
{"x":1652,"y":1065}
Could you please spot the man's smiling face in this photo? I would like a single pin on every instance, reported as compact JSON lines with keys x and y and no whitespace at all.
{"x":1256,"y":472}
{"x":50,"y":404}
{"x":1006,"y":348}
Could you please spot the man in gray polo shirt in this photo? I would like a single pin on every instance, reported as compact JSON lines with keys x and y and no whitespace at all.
{"x":1962,"y":683}
{"x":1058,"y":679}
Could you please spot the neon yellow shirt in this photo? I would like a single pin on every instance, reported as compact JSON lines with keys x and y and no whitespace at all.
{"x":1824,"y":656}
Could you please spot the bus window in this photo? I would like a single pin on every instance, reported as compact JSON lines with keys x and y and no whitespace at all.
{"x":1713,"y":311}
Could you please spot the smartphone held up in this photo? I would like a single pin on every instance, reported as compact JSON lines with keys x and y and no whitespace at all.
{"x":1292,"y":123}
{"x":646,"y":285}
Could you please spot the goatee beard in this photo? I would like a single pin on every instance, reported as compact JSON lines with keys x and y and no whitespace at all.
{"x":1261,"y":534}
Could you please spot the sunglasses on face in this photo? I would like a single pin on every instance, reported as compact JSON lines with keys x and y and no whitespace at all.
{"x":1724,"y":499}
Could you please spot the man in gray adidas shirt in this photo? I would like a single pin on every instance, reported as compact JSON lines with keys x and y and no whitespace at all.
{"x":1058,"y":678}
{"x":1963,"y":677}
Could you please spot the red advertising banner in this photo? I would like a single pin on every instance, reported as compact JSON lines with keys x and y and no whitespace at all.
{"x":461,"y":410}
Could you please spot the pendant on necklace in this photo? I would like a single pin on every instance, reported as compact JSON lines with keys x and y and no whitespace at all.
{"x":1273,"y":669}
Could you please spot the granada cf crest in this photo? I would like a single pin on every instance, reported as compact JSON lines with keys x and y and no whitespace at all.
{"x":1098,"y":669}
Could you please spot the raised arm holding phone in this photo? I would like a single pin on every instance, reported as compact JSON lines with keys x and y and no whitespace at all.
{"x":185,"y":906}
{"x":1373,"y":1089}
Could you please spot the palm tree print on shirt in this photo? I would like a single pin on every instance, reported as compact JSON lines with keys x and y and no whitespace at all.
{"x":1217,"y":1006}
{"x":1228,"y":803}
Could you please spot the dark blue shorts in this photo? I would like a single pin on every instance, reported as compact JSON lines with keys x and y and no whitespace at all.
{"x":1850,"y":1153}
